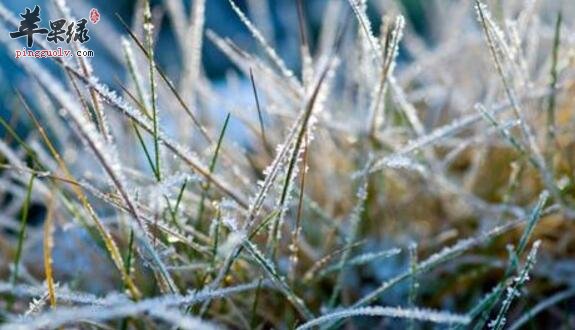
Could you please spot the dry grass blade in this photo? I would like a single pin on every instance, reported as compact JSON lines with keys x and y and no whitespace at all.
{"x":48,"y":246}
{"x":106,"y":236}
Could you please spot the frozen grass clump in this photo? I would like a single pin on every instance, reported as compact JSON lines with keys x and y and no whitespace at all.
{"x":387,"y":180}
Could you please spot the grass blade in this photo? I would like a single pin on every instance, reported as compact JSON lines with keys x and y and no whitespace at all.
{"x":213,"y":165}
{"x":23,"y":225}
{"x":48,"y":246}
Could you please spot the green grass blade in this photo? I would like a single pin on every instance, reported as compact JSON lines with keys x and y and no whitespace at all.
{"x":23,"y":225}
{"x":213,"y":166}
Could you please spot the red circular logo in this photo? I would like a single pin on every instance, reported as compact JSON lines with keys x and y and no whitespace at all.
{"x":94,"y":16}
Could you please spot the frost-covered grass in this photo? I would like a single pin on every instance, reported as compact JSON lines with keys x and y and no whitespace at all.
{"x":386,"y":181}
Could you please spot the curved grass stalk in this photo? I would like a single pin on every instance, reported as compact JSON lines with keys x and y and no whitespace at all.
{"x":118,"y":309}
{"x":393,"y":312}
